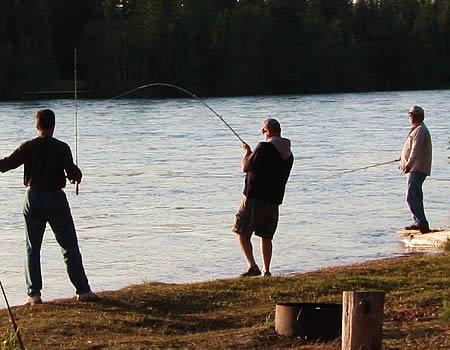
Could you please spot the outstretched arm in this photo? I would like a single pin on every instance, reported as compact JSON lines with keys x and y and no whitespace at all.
{"x":14,"y":160}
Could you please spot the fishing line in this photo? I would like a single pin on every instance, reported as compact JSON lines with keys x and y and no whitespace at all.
{"x":11,"y":317}
{"x":359,"y":169}
{"x":347,"y":172}
{"x":186,"y":92}
{"x":232,"y":130}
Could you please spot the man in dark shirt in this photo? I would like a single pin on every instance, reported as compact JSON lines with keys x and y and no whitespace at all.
{"x":46,"y":162}
{"x":267,"y":170}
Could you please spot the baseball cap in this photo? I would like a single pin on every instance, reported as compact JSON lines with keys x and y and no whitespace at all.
{"x":417,"y":110}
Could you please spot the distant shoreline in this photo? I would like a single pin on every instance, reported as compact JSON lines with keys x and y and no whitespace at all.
{"x":84,"y":94}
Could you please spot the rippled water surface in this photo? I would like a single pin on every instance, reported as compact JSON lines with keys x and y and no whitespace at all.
{"x":162,"y":182}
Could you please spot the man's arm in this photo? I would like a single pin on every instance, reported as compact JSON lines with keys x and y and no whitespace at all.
{"x":245,"y":165}
{"x":16,"y":159}
{"x":73,"y":172}
{"x":252,"y":159}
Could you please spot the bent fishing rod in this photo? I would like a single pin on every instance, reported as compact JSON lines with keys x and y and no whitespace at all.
{"x":11,"y":317}
{"x":359,"y":169}
{"x":186,"y":92}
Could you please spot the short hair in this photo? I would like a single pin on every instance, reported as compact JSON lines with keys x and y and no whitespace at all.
{"x":273,"y":125}
{"x":45,"y":119}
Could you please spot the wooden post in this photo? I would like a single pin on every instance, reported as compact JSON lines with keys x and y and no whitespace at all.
{"x":362,"y":320}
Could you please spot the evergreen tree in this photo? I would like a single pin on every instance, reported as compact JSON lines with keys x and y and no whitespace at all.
{"x":225,"y":47}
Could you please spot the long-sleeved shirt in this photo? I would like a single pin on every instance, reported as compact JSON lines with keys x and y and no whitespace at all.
{"x":417,"y":150}
{"x":46,"y":162}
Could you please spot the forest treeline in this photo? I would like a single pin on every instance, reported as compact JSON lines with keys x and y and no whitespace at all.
{"x":224,"y":47}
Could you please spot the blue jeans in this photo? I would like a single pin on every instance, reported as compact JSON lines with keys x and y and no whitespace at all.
{"x":52,"y":207}
{"x":414,"y":197}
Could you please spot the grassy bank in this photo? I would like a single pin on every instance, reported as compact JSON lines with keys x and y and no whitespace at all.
{"x":239,"y":313}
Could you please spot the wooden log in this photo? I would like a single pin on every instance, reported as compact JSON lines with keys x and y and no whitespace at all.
{"x":362,"y":320}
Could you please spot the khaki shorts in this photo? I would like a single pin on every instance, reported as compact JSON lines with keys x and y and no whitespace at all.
{"x":256,"y":216}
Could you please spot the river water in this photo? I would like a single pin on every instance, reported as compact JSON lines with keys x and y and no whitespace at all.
{"x":162,"y":182}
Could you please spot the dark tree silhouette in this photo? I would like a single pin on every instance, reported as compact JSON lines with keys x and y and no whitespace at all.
{"x":224,"y":47}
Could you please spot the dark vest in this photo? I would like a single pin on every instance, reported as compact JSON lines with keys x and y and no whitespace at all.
{"x":268,"y":174}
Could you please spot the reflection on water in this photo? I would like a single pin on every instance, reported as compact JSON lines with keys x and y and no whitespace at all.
{"x":162,"y":182}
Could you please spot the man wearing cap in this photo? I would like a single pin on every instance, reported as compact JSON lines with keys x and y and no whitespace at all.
{"x":416,"y":161}
{"x":46,"y":162}
{"x":267,"y":170}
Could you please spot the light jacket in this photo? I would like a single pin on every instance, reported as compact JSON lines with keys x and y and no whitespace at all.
{"x":416,"y":152}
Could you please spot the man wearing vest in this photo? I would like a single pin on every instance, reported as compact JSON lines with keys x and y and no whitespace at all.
{"x":267,"y":170}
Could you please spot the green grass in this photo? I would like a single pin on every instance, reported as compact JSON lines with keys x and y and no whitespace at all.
{"x":446,"y":311}
{"x":239,"y":313}
{"x":10,"y":341}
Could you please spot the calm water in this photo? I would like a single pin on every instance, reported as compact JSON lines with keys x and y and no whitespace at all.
{"x":162,"y":182}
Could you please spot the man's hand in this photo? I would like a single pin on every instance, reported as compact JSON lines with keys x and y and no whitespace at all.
{"x":246,"y":149}
{"x":74,"y":178}
{"x":406,"y":169}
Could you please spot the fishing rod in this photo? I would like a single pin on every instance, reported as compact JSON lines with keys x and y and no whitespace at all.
{"x":11,"y":317}
{"x":359,"y":169}
{"x":77,"y":185}
{"x":186,"y":92}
